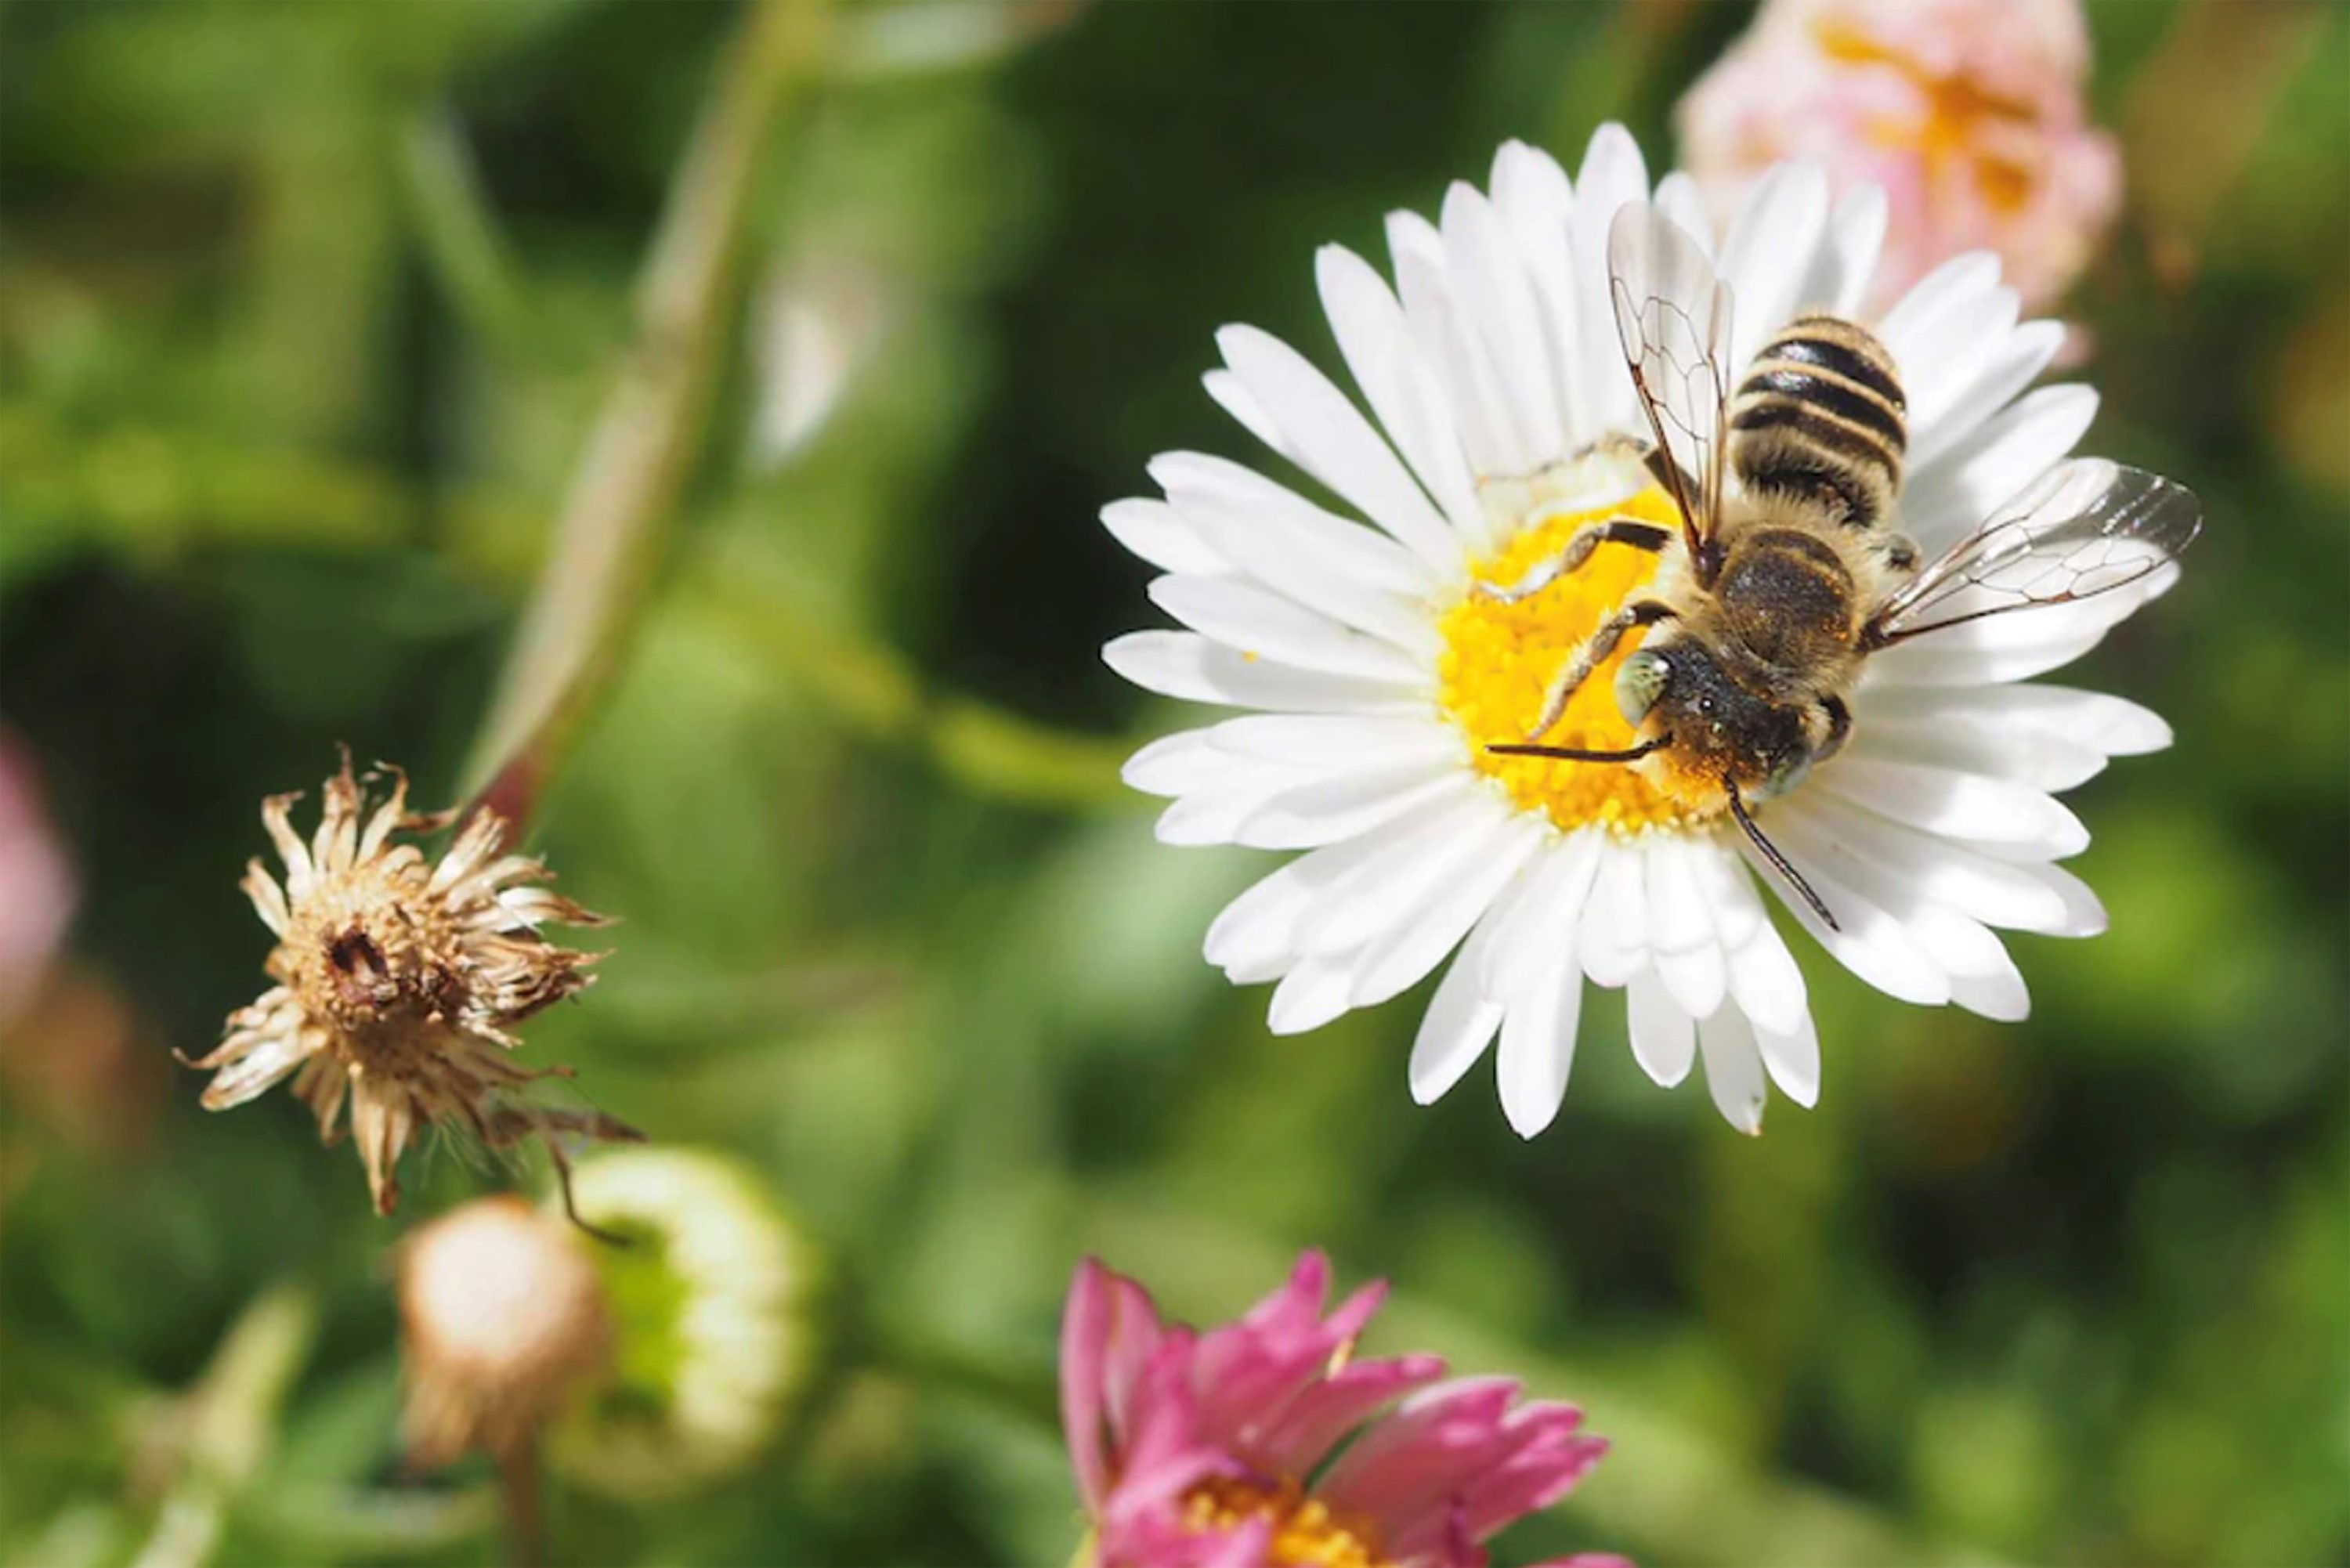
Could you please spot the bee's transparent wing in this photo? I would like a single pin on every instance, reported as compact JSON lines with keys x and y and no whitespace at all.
{"x":2085,"y":528}
{"x":1672,"y":316}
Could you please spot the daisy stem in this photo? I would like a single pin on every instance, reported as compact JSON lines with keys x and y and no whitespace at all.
{"x":609,"y":537}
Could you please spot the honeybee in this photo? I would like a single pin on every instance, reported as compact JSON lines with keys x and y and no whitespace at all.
{"x":1773,"y":592}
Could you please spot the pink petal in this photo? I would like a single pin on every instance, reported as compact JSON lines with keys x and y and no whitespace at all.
{"x":1084,"y":1335}
{"x":1317,"y":1418}
{"x":1110,"y":1334}
{"x":1409,"y":1470}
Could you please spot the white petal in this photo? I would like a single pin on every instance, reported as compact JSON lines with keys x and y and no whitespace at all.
{"x":1405,"y":954}
{"x":1500,"y":303}
{"x":1535,"y":201}
{"x":1612,"y":175}
{"x":1998,"y":891}
{"x":1686,"y":953}
{"x":1310,"y":995}
{"x":1768,"y":253}
{"x":1459,"y":1023}
{"x":2000,"y":995}
{"x":1321,"y":433}
{"x":1959,"y":805}
{"x":1332,"y":810}
{"x":1792,"y":1059}
{"x":1612,"y":937}
{"x":1664,"y":1037}
{"x":1440,"y":329}
{"x":1763,"y":978}
{"x":2084,"y":913}
{"x":1403,"y":392}
{"x":1154,"y":531}
{"x":2026,"y":353}
{"x":1409,"y":235}
{"x":2113,"y":726}
{"x":1256,"y":936}
{"x":1963,"y":345}
{"x":1537,"y":1051}
{"x":1948,"y":499}
{"x":1256,"y":620}
{"x":1973,"y":746}
{"x":1919,"y":328}
{"x":1228,"y":492}
{"x":1538,"y":932}
{"x":1173,"y":765}
{"x":1870,"y":941}
{"x":1291,"y":564}
{"x":1186,"y":665}
{"x":1215,"y":792}
{"x":1734,"y":1069}
{"x":1848,"y":260}
{"x":1232,"y":396}
{"x":1413,"y":862}
{"x":1679,"y":198}
{"x":1329,"y":743}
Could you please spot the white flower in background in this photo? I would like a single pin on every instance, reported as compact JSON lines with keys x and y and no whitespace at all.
{"x":1492,"y":367}
{"x":711,"y":1294}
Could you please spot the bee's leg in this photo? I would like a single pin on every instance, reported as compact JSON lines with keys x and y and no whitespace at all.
{"x":1601,"y":642}
{"x":1629,"y":531}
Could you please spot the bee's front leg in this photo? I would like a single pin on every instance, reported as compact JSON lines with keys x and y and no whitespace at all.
{"x":1629,"y":531}
{"x":1593,"y":652}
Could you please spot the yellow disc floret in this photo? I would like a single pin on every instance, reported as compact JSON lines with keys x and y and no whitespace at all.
{"x":1500,"y":660}
{"x":1306,"y":1533}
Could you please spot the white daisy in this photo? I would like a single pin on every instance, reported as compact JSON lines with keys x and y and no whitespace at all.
{"x":1492,"y":367}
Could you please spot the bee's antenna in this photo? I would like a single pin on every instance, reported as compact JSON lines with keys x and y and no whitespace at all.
{"x":1577,"y":754}
{"x":1778,"y":861}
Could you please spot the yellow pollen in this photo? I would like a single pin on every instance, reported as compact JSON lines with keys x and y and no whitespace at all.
{"x":1500,"y":660}
{"x":1306,"y":1532}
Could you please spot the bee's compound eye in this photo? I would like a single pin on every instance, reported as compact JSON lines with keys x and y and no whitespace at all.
{"x":1791,"y":772}
{"x":1639,"y":683}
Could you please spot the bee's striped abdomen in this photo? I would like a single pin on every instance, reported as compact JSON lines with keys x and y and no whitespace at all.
{"x":1820,"y":417}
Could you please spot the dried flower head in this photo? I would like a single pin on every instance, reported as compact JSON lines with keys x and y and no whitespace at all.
{"x":501,"y":1317}
{"x":400,"y":981}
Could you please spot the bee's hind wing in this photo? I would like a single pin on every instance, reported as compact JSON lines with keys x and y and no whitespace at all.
{"x":2087,"y":528}
{"x":1673,"y":321}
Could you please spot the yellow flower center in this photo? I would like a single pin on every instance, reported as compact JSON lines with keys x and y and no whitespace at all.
{"x":1306,"y":1532}
{"x":1500,"y":660}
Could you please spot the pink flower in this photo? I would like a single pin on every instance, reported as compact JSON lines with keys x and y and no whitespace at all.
{"x":36,"y":883}
{"x":1194,"y":1451}
{"x":1969,"y":113}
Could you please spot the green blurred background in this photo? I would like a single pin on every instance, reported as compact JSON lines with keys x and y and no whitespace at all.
{"x":306,"y":313}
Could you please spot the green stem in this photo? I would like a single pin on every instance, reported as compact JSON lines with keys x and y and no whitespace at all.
{"x":607,"y":543}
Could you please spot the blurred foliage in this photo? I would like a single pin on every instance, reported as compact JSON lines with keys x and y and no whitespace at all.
{"x":305,"y":313}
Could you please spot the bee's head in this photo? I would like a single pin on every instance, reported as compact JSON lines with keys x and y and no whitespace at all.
{"x":1721,"y":727}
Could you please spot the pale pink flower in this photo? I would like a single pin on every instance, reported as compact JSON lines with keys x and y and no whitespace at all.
{"x":36,"y":882}
{"x":1969,"y":113}
{"x":1209,"y":1450}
